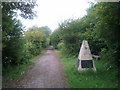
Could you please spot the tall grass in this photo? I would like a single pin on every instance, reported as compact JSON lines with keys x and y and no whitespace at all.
{"x":103,"y":78}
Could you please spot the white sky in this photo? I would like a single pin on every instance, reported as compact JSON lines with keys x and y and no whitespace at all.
{"x":51,"y":12}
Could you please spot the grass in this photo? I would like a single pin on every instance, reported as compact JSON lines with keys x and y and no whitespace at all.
{"x":88,"y":79}
{"x":15,"y":73}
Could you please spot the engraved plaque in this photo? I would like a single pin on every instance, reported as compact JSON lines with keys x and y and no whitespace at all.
{"x":86,"y":63}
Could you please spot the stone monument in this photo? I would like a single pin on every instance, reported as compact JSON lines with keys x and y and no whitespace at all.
{"x":85,"y":60}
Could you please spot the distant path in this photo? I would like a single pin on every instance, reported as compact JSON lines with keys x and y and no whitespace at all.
{"x":47,"y":73}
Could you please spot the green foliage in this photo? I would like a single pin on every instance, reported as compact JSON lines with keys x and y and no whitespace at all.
{"x":25,"y":8}
{"x":55,"y":38}
{"x":108,"y":26}
{"x":46,"y":30}
{"x":104,"y":77}
{"x":100,"y":27}
{"x":35,"y":41}
{"x":60,"y":45}
{"x":19,"y":46}
{"x":12,"y":40}
{"x":14,"y":74}
{"x":17,"y":72}
{"x":12,"y":31}
{"x":72,"y":32}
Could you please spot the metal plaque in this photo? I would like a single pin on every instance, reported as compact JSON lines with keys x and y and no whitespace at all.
{"x":86,"y":63}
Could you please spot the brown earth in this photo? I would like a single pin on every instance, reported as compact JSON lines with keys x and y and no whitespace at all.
{"x":48,"y":72}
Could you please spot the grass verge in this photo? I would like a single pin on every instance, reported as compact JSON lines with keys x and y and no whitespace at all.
{"x":12,"y":74}
{"x":88,"y":79}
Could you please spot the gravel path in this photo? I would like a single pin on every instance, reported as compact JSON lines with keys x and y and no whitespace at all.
{"x":47,"y":73}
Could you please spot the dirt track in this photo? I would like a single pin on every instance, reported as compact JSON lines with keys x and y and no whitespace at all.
{"x":47,"y":73}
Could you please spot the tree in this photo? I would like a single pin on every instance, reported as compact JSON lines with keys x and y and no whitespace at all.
{"x":26,"y":8}
{"x":12,"y":30}
{"x":55,"y":38}
{"x":108,"y":26}
{"x":35,"y":41}
{"x":46,"y":30}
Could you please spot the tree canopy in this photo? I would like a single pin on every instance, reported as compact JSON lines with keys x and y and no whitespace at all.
{"x":99,"y":27}
{"x":12,"y":30}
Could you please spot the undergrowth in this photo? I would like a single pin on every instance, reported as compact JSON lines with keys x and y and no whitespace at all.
{"x":102,"y":78}
{"x":12,"y":74}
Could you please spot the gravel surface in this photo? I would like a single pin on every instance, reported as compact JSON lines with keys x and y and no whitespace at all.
{"x":48,"y":72}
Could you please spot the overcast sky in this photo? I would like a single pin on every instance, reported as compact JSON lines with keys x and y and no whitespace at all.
{"x":51,"y":12}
